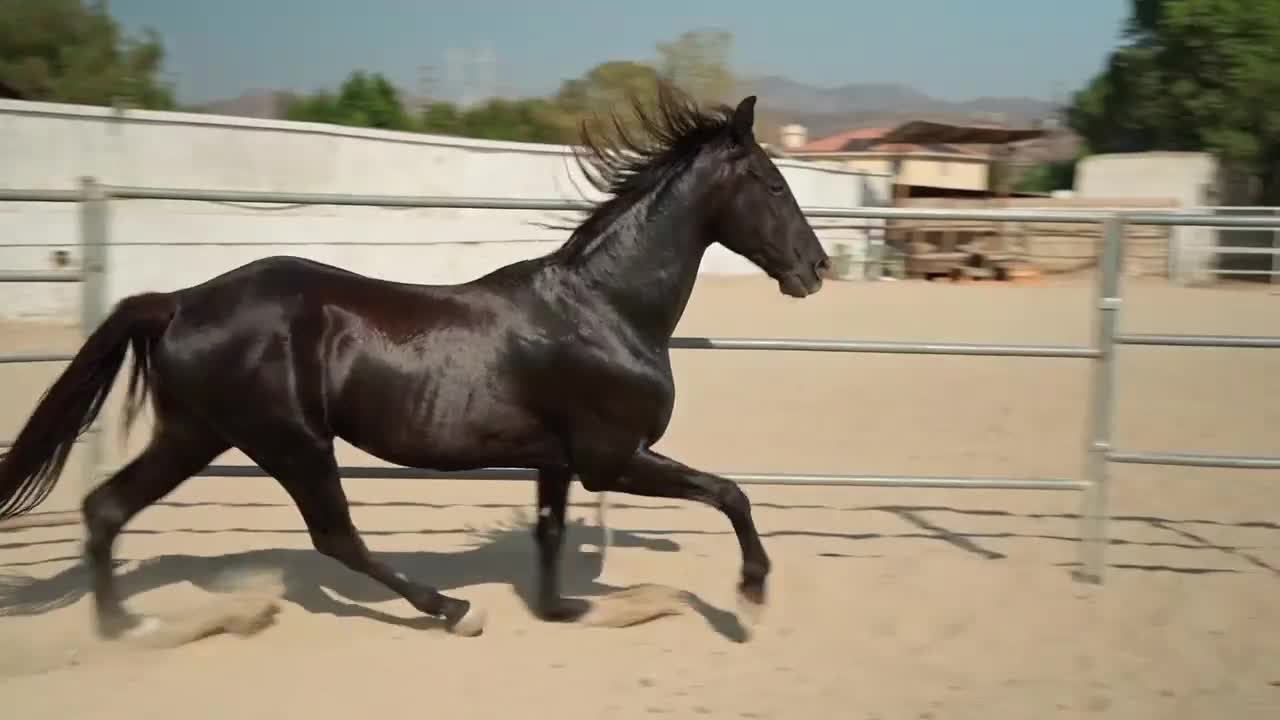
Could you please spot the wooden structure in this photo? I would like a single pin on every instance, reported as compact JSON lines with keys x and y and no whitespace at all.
{"x":959,"y":252}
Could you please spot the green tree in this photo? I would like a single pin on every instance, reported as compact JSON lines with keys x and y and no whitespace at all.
{"x":72,"y":51}
{"x":1047,"y":177}
{"x":319,"y":107}
{"x":525,"y":120}
{"x":442,"y":118}
{"x":1199,"y":75}
{"x":699,"y":63}
{"x":607,"y":87}
{"x":521,"y":120}
{"x":363,"y":100}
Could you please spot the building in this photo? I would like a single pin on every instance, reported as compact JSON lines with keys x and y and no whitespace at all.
{"x":926,"y":159}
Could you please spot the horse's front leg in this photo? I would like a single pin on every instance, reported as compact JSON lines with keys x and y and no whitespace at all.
{"x":654,"y":475}
{"x":553,"y":499}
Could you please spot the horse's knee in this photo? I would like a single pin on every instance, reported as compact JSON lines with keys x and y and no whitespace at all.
{"x":731,"y":498}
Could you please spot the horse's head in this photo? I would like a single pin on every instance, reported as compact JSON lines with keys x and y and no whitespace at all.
{"x":755,"y":215}
{"x":735,"y":194}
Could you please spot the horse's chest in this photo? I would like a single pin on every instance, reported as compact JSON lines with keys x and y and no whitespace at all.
{"x":635,"y":393}
{"x":593,"y":377}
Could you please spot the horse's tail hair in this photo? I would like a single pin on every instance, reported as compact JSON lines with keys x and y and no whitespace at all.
{"x":31,"y":467}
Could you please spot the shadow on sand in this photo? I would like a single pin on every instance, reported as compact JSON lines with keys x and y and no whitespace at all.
{"x":503,"y":554}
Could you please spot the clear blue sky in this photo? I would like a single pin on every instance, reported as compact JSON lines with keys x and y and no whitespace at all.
{"x":949,"y":48}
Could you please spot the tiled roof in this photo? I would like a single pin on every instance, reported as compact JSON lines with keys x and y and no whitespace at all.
{"x":867,"y":140}
{"x":836,"y":143}
{"x":904,"y":148}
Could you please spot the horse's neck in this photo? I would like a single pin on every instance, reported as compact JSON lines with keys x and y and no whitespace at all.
{"x":647,"y":267}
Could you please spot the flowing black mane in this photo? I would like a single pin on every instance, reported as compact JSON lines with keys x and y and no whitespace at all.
{"x":633,"y":163}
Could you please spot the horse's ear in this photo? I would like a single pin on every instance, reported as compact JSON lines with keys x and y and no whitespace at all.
{"x":744,"y":117}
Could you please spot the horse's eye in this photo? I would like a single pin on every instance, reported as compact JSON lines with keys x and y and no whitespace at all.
{"x":774,"y":187}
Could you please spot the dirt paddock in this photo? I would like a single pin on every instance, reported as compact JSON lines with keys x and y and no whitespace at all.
{"x":884,"y":603}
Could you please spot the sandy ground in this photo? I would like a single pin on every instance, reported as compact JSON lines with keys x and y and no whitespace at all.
{"x":885,"y":603}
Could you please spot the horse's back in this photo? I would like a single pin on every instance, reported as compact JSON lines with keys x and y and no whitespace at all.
{"x":229,"y":331}
{"x":380,"y":363}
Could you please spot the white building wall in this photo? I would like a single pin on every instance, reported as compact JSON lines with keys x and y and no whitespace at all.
{"x":162,"y":245}
{"x":1189,"y":178}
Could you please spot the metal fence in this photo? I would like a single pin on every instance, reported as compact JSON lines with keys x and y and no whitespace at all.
{"x":1247,"y":252}
{"x":92,"y":202}
{"x":1099,"y":452}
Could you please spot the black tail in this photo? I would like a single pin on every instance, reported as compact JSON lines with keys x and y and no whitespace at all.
{"x":32,"y":466}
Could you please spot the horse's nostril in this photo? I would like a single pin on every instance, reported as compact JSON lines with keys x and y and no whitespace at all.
{"x":822,"y":266}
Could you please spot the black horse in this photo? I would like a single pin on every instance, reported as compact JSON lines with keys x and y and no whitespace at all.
{"x":559,"y":363}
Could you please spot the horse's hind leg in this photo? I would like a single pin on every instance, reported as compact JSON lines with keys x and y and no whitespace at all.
{"x":176,"y":452}
{"x":311,"y":478}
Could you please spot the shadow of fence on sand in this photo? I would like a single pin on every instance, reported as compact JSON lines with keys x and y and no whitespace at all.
{"x":505,"y":554}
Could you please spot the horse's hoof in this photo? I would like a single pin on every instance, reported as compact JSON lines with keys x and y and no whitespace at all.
{"x":254,"y":616}
{"x":121,"y":625}
{"x":750,"y":608}
{"x":564,"y":610}
{"x":470,"y":624}
{"x":143,"y":627}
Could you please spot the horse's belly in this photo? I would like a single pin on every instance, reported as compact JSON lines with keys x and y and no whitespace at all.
{"x":473,"y":433}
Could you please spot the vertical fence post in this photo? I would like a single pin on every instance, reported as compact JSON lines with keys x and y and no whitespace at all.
{"x":1275,"y":251}
{"x":93,"y":253}
{"x":1093,"y":515}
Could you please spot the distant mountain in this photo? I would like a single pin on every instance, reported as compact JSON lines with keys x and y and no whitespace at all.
{"x":829,"y":110}
{"x":823,"y":111}
{"x":251,"y":103}
{"x":781,"y":93}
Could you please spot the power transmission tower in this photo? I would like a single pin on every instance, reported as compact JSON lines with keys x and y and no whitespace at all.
{"x":426,"y":87}
{"x":471,"y":76}
{"x":486,"y":60}
{"x":455,"y":76}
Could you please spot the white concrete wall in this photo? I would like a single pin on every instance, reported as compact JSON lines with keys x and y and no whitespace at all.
{"x":1187,"y":178}
{"x":159,"y":245}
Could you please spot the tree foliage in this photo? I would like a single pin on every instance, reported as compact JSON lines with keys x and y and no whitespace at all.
{"x":522,"y":120}
{"x":605,"y":86}
{"x":1201,"y":75}
{"x":363,"y":100}
{"x":697,"y":61}
{"x":1048,"y":176}
{"x":74,"y":52}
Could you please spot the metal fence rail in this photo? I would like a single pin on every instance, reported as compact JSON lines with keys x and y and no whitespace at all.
{"x":1218,"y":341}
{"x":34,"y":357}
{"x":1238,"y":462}
{"x":805,"y":479}
{"x":1099,"y":452}
{"x":92,"y":277}
{"x":1272,"y":248}
{"x":891,"y":348}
